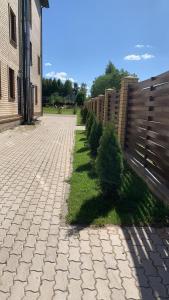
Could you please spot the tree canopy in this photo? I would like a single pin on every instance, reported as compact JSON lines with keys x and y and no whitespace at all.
{"x":110,"y":79}
{"x":58,"y":92}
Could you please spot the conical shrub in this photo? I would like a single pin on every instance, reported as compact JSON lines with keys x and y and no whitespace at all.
{"x":95,"y":135}
{"x":109,"y":163}
{"x":89,"y":123}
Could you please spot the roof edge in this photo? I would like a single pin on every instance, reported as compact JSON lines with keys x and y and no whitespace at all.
{"x":45,"y":3}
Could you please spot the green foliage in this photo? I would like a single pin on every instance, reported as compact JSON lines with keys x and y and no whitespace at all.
{"x":111,"y":79}
{"x":55,"y":99}
{"x":80,"y":98}
{"x":109,"y":163}
{"x":95,"y":135}
{"x":84,"y":113}
{"x":68,"y":91}
{"x":75,"y":110}
{"x":89,"y":123}
{"x":59,"y":110}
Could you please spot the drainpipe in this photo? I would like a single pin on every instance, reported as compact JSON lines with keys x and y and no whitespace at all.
{"x":26,"y":62}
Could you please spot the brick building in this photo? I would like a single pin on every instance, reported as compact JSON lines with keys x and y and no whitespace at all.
{"x":20,"y":61}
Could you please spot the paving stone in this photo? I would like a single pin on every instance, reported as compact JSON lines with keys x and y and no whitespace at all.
{"x":140,"y":277}
{"x":37,"y":263}
{"x":74,"y":270}
{"x":86,"y":260}
{"x":4,"y":255}
{"x":147,"y":294}
{"x":48,"y":271}
{"x":103,"y":291}
{"x":59,"y":295}
{"x":114,"y":279}
{"x":87,"y":294}
{"x":34,"y":282}
{"x":31,"y":296}
{"x":62,"y":262}
{"x":95,"y":240}
{"x":6,"y":282}
{"x":75,"y":291}
{"x":131,"y":290}
{"x":118,"y":294}
{"x":85,"y":247}
{"x":63,"y":247}
{"x":159,"y":289}
{"x":125,"y":270}
{"x":27,"y":254}
{"x":99,"y":268}
{"x":88,"y":279}
{"x":22,"y":272}
{"x":97,"y":253}
{"x":46,"y":290}
{"x":51,"y":254}
{"x":12,"y":263}
{"x":74,"y":254}
{"x":40,"y":247}
{"x":119,"y":253}
{"x":61,"y":280}
{"x":106,"y":246}
{"x":110,"y":261}
{"x":4,"y":296}
{"x":17,"y":290}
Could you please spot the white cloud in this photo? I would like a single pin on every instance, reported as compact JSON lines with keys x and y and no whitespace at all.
{"x":63,"y":76}
{"x":147,"y":56}
{"x":132,"y":57}
{"x":139,"y":46}
{"x":48,"y":64}
{"x":142,"y":46}
{"x":138,"y":57}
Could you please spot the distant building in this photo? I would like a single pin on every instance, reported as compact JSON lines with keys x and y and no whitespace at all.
{"x":20,"y":61}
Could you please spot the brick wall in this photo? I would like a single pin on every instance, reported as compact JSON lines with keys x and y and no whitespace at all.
{"x":9,"y":57}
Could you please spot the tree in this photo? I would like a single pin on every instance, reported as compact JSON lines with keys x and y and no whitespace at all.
{"x":95,"y":135}
{"x":89,"y":123}
{"x":80,"y":98}
{"x":67,"y":88}
{"x":109,"y":163}
{"x":111,"y":79}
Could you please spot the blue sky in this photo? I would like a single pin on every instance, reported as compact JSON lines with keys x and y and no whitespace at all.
{"x":81,"y":36}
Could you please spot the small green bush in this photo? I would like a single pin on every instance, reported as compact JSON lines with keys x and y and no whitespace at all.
{"x":95,"y":135}
{"x":59,"y":110}
{"x":75,"y":110}
{"x":109,"y":163}
{"x":89,"y":123}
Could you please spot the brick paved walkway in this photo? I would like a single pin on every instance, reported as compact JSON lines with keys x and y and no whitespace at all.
{"x":41,"y":259}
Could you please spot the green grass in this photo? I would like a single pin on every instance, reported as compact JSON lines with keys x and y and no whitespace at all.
{"x":86,"y":205}
{"x":53,"y":110}
{"x":65,"y":111}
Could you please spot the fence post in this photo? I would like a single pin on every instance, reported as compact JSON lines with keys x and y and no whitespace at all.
{"x":108,"y":93}
{"x":123,"y":107}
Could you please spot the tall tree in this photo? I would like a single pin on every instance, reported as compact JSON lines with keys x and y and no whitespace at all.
{"x":111,"y":79}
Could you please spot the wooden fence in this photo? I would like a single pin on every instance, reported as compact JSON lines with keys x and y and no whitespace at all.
{"x":143,"y":108}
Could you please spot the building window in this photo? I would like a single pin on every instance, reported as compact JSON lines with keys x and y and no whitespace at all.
{"x":30,"y":53}
{"x":12,"y":27}
{"x":30,"y":12}
{"x":39,"y":65}
{"x":11,"y":85}
{"x":36,"y":95}
{"x":0,"y":83}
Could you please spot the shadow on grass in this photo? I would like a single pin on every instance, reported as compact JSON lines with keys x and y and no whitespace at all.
{"x":89,"y":168}
{"x":81,"y":150}
{"x":134,"y":206}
